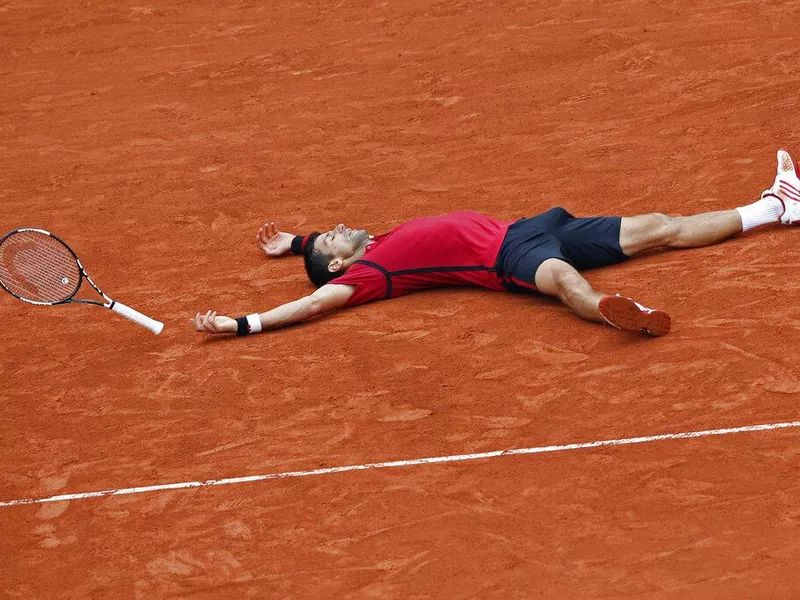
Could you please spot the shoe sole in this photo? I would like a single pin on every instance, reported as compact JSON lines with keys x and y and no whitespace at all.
{"x":785,"y":162}
{"x":624,"y":314}
{"x":787,"y":187}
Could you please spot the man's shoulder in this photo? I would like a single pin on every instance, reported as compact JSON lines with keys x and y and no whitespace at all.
{"x":367,"y":280}
{"x":361,"y":270}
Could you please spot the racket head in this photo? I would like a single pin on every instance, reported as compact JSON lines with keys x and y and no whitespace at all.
{"x":38,"y":267}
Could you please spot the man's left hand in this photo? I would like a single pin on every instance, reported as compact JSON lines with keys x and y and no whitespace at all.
{"x":273,"y":242}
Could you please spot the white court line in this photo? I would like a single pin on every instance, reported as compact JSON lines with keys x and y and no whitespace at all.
{"x":400,"y":463}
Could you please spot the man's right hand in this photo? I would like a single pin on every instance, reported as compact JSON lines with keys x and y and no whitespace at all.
{"x":273,"y":242}
{"x":211,"y":322}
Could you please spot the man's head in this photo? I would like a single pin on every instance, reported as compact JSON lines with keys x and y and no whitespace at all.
{"x":328,"y":255}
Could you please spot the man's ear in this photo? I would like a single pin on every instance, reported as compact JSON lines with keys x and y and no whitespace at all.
{"x":335,"y":265}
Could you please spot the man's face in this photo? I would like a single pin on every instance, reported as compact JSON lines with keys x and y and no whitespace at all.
{"x":341,"y":242}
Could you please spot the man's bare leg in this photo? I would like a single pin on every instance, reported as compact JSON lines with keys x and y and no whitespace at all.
{"x":637,"y":234}
{"x":557,"y":278}
{"x":647,"y":232}
{"x":779,"y":204}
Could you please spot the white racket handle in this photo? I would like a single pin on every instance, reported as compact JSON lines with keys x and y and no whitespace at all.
{"x":137,"y":317}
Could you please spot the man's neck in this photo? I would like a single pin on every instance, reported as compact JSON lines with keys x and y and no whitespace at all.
{"x":360,"y":252}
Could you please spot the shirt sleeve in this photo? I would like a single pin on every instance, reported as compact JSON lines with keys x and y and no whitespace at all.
{"x":369,"y":284}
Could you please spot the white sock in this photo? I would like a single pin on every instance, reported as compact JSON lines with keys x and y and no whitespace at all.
{"x":762,"y":212}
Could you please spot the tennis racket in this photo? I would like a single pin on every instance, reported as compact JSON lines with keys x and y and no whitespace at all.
{"x":39,"y":268}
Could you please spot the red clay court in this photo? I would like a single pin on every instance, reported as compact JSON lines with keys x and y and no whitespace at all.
{"x":156,"y":138}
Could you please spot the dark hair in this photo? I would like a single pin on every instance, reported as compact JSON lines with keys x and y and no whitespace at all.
{"x":316,"y":263}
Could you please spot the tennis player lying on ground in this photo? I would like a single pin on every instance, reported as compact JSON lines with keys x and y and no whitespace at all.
{"x":541,"y":254}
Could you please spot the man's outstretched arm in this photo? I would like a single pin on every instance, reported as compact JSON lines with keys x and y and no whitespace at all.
{"x":325,"y":299}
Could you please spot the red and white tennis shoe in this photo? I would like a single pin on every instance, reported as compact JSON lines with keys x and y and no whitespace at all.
{"x":786,"y":189}
{"x":623,"y":313}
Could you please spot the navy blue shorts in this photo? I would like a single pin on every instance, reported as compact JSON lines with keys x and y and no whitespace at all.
{"x":585,"y":243}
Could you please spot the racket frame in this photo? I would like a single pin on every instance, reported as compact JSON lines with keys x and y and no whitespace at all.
{"x":81,"y":275}
{"x":118,"y":307}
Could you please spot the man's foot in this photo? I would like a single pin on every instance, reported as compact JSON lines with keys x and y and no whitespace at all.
{"x":623,"y":313}
{"x":786,"y":189}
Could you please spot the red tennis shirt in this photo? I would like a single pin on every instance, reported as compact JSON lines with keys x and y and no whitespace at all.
{"x":455,"y":249}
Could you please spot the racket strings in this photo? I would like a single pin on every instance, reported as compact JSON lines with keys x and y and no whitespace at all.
{"x":42,"y":274}
{"x":29,"y":268}
{"x":37,"y":267}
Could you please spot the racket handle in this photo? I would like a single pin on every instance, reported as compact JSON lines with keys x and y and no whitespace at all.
{"x":137,"y":317}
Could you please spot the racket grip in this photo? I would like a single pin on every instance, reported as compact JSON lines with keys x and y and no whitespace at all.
{"x":137,"y":317}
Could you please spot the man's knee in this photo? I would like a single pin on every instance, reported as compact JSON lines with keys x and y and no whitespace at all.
{"x":647,"y":232}
{"x":558,"y":278}
{"x":666,"y":229}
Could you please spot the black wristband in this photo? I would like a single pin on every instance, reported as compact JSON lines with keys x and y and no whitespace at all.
{"x":297,"y":244}
{"x":242,"y":328}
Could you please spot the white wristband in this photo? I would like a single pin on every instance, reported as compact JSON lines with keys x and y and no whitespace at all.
{"x":254,"y":322}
